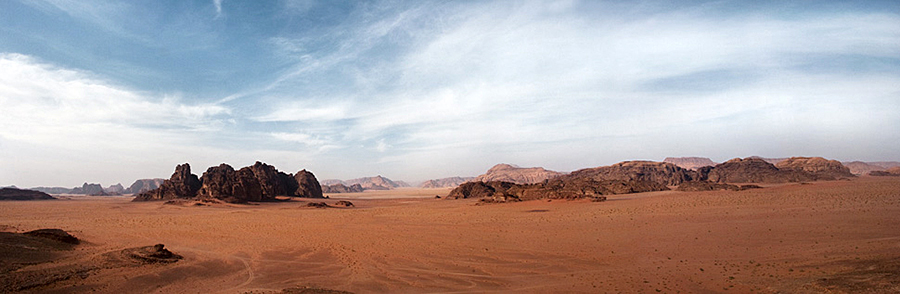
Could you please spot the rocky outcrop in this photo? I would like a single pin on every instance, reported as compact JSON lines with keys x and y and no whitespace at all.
{"x":658,"y":172}
{"x":235,"y":186}
{"x":706,"y":186}
{"x":307,"y":185}
{"x":692,"y":163}
{"x":570,"y":188}
{"x":450,"y":182}
{"x":21,"y":194}
{"x":820,"y":168}
{"x":151,"y":254}
{"x":259,"y":182}
{"x":755,"y":170}
{"x":518,"y":175}
{"x":341,"y":188}
{"x":143,"y":185}
{"x":182,"y":184}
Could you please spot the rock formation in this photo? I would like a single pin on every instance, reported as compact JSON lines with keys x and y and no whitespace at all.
{"x":558,"y":188}
{"x":182,"y":184}
{"x":821,"y":168}
{"x":692,"y":163}
{"x":143,"y":185}
{"x":755,"y":170}
{"x":53,"y":190}
{"x":89,"y":189}
{"x":658,"y":172}
{"x":259,"y":182}
{"x":307,"y":185}
{"x":21,"y":194}
{"x":445,"y":182}
{"x":518,"y":175}
{"x":341,"y":188}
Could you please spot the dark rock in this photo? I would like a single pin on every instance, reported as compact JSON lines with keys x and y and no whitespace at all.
{"x":21,"y":194}
{"x":344,"y":203}
{"x":271,"y":181}
{"x":151,"y":254}
{"x":54,"y":234}
{"x":317,"y":204}
{"x":182,"y":184}
{"x":234,"y":186}
{"x":307,"y":185}
{"x":53,"y":190}
{"x":891,"y":172}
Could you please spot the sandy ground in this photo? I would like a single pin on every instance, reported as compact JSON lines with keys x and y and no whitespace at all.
{"x":841,"y":237}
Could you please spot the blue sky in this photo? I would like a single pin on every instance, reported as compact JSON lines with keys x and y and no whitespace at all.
{"x":112,"y":91}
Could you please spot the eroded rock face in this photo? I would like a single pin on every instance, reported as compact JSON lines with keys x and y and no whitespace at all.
{"x":755,"y":170}
{"x":182,"y":184}
{"x":259,"y":182}
{"x":559,"y":188}
{"x":821,"y":168}
{"x":341,"y":188}
{"x":518,"y":175}
{"x":307,"y":185}
{"x":235,"y":186}
{"x":658,"y":172}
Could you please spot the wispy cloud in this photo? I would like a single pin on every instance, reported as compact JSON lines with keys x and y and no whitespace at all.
{"x":218,"y":5}
{"x":531,"y":74}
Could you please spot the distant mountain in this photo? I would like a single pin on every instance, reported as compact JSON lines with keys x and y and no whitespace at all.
{"x":116,"y":189}
{"x":340,"y":188}
{"x":368,"y":183}
{"x":450,"y":182}
{"x":862,"y":168}
{"x":514,"y":174}
{"x":690,"y":162}
{"x":770,"y":160}
{"x":53,"y":190}
{"x":143,"y":185}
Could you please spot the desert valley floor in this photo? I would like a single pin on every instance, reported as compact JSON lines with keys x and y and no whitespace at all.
{"x":836,"y":236}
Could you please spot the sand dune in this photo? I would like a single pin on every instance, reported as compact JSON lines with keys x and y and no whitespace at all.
{"x":840,"y":236}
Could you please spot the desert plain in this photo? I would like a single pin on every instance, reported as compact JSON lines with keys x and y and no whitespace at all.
{"x":822,"y":237}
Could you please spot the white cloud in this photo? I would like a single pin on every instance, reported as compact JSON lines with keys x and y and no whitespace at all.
{"x":218,"y":5}
{"x":53,"y":115}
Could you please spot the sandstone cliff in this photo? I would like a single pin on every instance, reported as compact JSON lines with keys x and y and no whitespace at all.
{"x":518,"y":175}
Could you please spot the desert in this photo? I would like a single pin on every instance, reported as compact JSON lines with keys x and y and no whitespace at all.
{"x":827,"y":236}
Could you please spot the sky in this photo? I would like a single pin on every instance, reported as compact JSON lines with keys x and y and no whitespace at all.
{"x":112,"y":91}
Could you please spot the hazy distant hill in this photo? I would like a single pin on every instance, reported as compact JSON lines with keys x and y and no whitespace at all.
{"x":143,"y":185}
{"x":368,"y":183}
{"x":690,"y":162}
{"x":450,"y":182}
{"x":514,"y":174}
